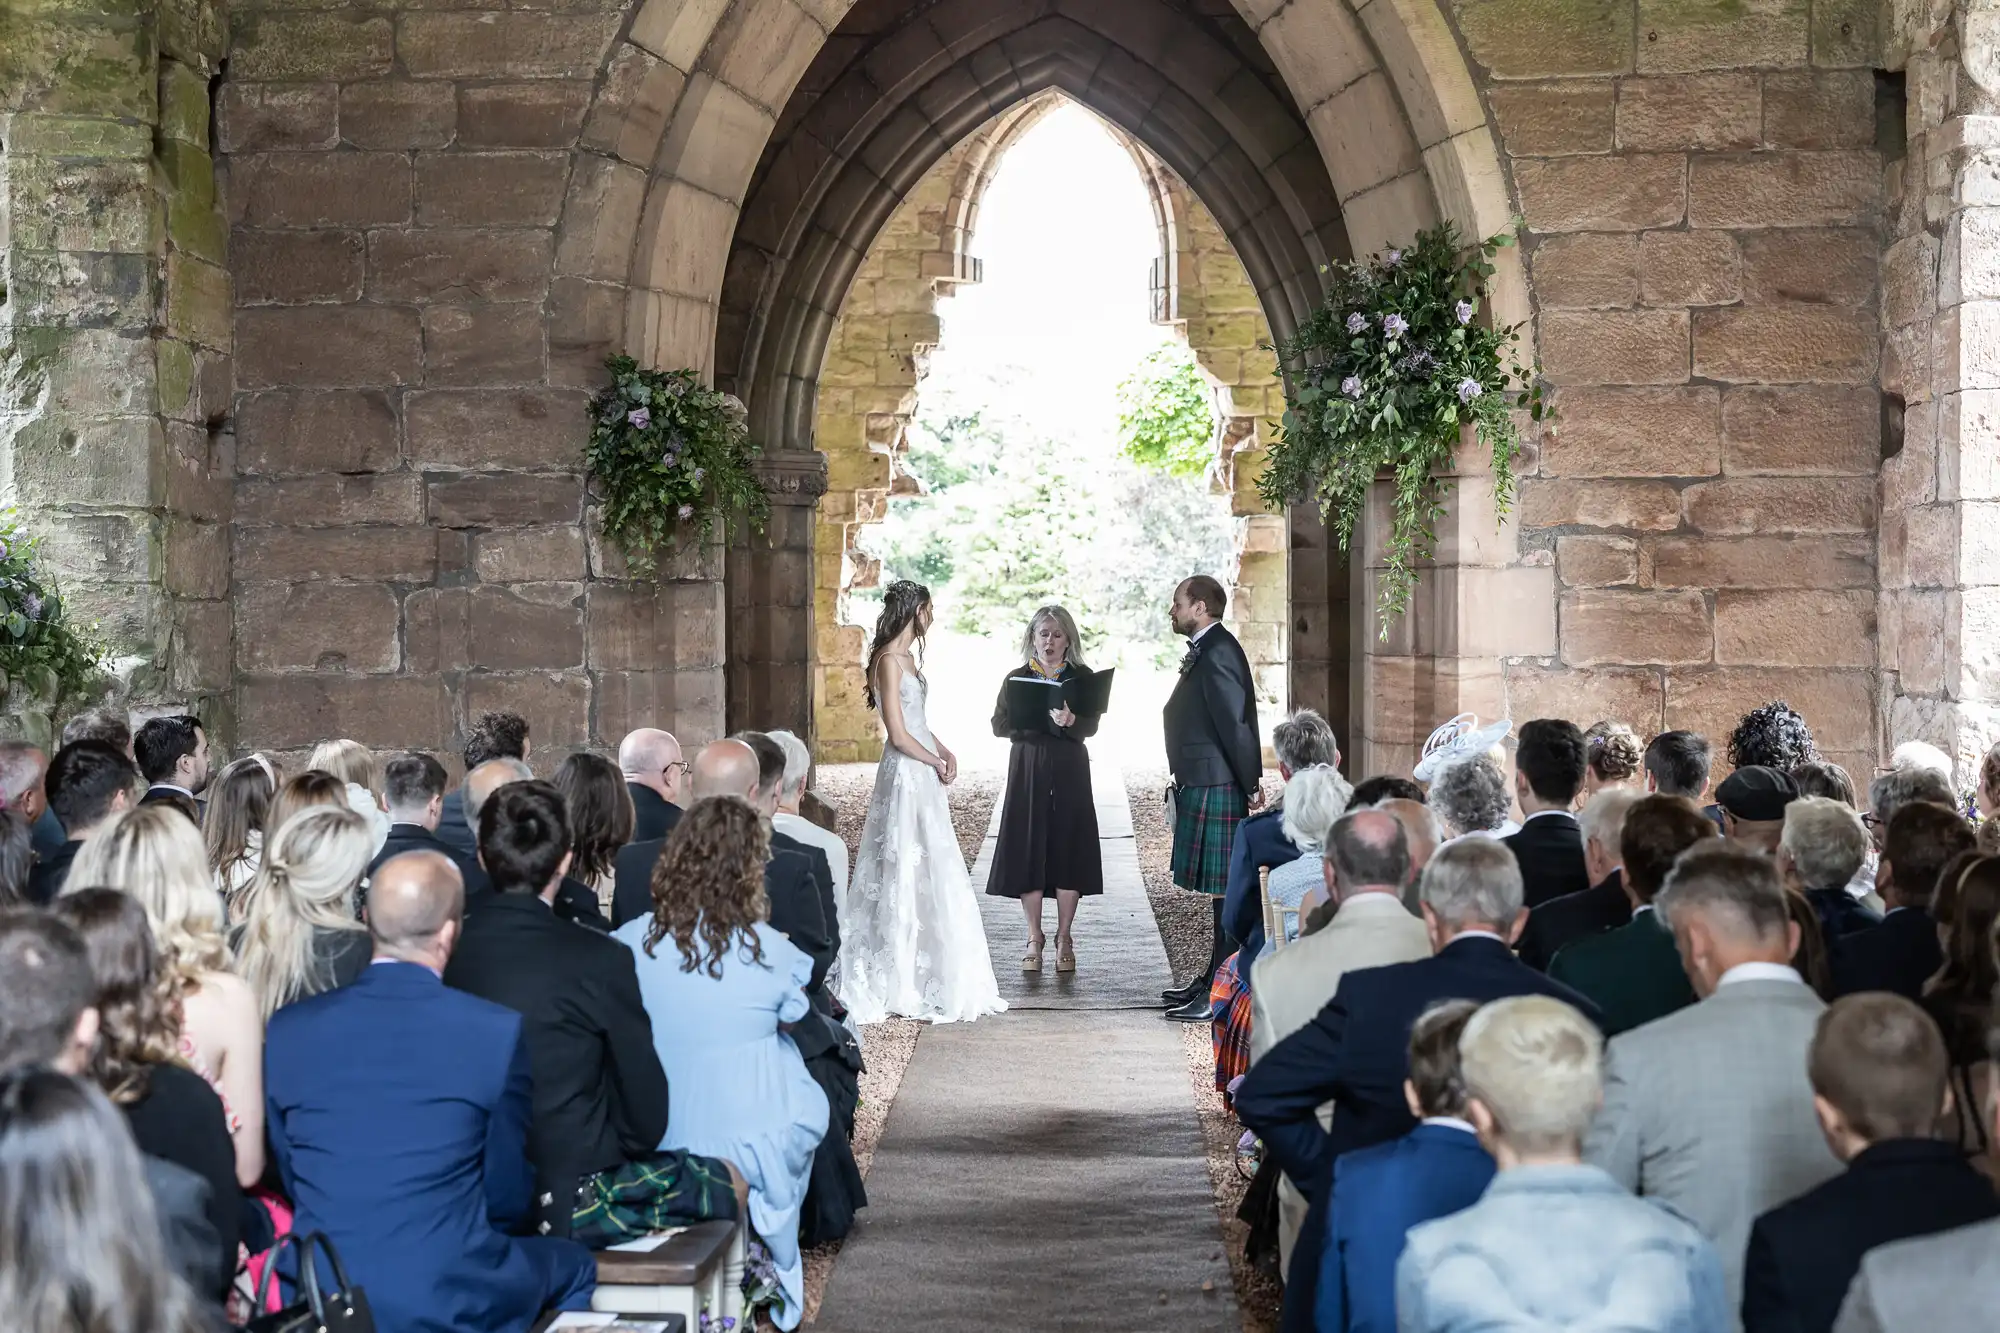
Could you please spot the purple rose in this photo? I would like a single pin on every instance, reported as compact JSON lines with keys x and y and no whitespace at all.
{"x":1393,"y":258}
{"x":640,"y":417}
{"x":33,"y":606}
{"x":1351,"y":386}
{"x":1395,"y":325}
{"x":1468,"y":389}
{"x":670,"y":457}
{"x":686,"y":511}
{"x":1464,"y":312}
{"x":1356,"y":323}
{"x":697,"y":475}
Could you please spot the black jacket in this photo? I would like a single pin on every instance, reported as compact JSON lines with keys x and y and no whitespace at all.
{"x":600,"y":1095}
{"x":181,"y":1120}
{"x":1211,"y":717}
{"x":1549,"y":849}
{"x":653,"y":816}
{"x":1898,"y":955}
{"x":1355,"y":1054}
{"x":416,"y":838}
{"x":180,"y":1197}
{"x":1573,"y":917}
{"x":46,"y":880}
{"x":452,"y":827}
{"x":192,"y":807}
{"x":1841,"y":913}
{"x":1803,"y":1254}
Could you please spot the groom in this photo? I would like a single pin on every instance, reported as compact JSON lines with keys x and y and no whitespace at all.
{"x":1217,"y":762}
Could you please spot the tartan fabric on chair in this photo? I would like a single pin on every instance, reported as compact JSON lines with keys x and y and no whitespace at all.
{"x":1229,"y":1026}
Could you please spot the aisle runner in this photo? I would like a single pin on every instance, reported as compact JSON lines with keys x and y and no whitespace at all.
{"x":1043,"y":1168}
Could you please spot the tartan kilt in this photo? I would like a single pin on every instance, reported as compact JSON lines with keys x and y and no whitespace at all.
{"x":1229,"y":1029}
{"x":1205,"y":820}
{"x":670,"y":1188}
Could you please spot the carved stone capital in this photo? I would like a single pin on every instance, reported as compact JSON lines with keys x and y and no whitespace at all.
{"x":793,"y":476}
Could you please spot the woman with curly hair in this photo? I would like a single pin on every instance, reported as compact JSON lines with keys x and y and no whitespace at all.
{"x":1613,"y":758}
{"x":1774,"y":736}
{"x":1472,"y":799}
{"x":155,"y":853}
{"x":173,"y":1114}
{"x":721,"y":988}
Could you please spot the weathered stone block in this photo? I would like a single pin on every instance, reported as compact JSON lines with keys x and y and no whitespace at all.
{"x":1801,"y":430}
{"x":68,"y":288}
{"x":1634,"y":432}
{"x":183,"y":104}
{"x":287,"y":432}
{"x":1840,"y":704}
{"x":500,"y":500}
{"x":1745,"y":505}
{"x":259,"y":117}
{"x":198,"y":301}
{"x":1832,"y":267}
{"x":522,"y":115}
{"x":437,"y":264}
{"x":1533,"y":39}
{"x":317,"y":627}
{"x":104,"y":548}
{"x":517,"y":428}
{"x":1634,"y":696}
{"x":559,"y":703}
{"x":1762,"y":562}
{"x":278,"y":47}
{"x":33,"y":134}
{"x":498,"y":189}
{"x":1847,"y":33}
{"x":397,"y":114}
{"x":328,"y":346}
{"x":296,"y":267}
{"x":1614,"y":628}
{"x":321,"y":189}
{"x":1627,"y":193}
{"x":1641,"y":506}
{"x":332,"y":501}
{"x":203,"y":658}
{"x":1785,"y":344}
{"x":639,"y":627}
{"x":1615,"y":346}
{"x":1820,"y":109}
{"x":1591,"y":270}
{"x":1681,"y":35}
{"x":1689,"y":268}
{"x":394,"y":712}
{"x":1553,"y":119}
{"x":1784,"y":190}
{"x":1804,"y":628}
{"x":83,"y":69}
{"x":285,"y":555}
{"x":530,"y":555}
{"x":483,"y":344}
{"x":1705,"y":111}
{"x":193,"y":32}
{"x":100,"y":205}
{"x":1597,"y":562}
{"x":504,"y":45}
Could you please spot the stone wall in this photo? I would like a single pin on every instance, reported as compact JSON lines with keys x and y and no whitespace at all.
{"x":115,"y":336}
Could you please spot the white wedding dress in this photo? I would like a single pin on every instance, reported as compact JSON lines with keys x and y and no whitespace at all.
{"x":911,"y":939}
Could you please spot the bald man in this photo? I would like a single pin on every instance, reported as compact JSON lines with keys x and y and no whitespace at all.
{"x":653,"y":767}
{"x":354,"y":1077}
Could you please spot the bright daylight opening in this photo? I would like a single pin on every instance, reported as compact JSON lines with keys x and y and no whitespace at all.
{"x":1064,"y":441}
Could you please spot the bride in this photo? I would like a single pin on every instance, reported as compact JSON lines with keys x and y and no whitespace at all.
{"x":912,"y":941}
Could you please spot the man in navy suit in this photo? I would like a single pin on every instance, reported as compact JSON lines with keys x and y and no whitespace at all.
{"x":1355,"y":1053}
{"x":1379,"y":1193}
{"x":1900,"y":953}
{"x":1549,"y":763}
{"x":398,"y":1115}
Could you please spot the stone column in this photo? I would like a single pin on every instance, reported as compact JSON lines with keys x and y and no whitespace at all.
{"x":770,"y":624}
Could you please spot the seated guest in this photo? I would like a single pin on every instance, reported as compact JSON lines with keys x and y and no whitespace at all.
{"x":90,"y":784}
{"x":1355,"y":1051}
{"x":1753,"y":802}
{"x":1379,"y":1193}
{"x":303,"y":791}
{"x":1821,"y":849}
{"x":1382,"y":788}
{"x":601,"y":820}
{"x":1708,"y":1109}
{"x":793,"y":824}
{"x":1825,"y":778}
{"x":1772,"y":736}
{"x":172,"y":753}
{"x":358,"y":769}
{"x":1614,"y":758}
{"x":301,"y":937}
{"x":1301,"y":741}
{"x":600,"y":1108}
{"x":1811,"y":959}
{"x":1550,"y":761}
{"x":770,"y":782}
{"x":1899,"y":787}
{"x":83,"y":1233}
{"x":413,"y":786}
{"x":23,"y":767}
{"x":1470,"y":796}
{"x":100,"y":724}
{"x":156,"y":855}
{"x":1879,"y":1077}
{"x":1314,"y":798}
{"x":1554,"y":1243}
{"x":1634,"y":973}
{"x":1677,"y":764}
{"x":1902,"y":952}
{"x":651,"y":762}
{"x":17,"y":859}
{"x":173,"y":1114}
{"x":1604,"y":905}
{"x":239,"y":802}
{"x":1959,"y":997}
{"x":574,"y":903}
{"x":720,"y":985}
{"x":399,"y":1113}
{"x":493,"y":736}
{"x":47,"y":1019}
{"x":1366,"y":864}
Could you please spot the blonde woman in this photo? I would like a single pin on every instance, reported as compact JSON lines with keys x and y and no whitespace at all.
{"x":356,"y":765}
{"x":155,"y":854}
{"x":301,"y":937}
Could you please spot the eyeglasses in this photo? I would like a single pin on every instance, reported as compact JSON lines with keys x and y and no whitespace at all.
{"x":680,"y":764}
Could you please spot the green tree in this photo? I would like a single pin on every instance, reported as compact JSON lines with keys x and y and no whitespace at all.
{"x":1166,"y":413}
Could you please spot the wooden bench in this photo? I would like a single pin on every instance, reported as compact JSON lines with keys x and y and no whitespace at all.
{"x":673,"y":1323}
{"x":697,"y":1268}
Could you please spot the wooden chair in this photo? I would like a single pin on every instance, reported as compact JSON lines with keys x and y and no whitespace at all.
{"x":1279,"y":919}
{"x":693,"y":1269}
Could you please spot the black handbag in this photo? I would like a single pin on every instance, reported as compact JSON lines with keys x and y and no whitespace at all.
{"x":342,"y":1310}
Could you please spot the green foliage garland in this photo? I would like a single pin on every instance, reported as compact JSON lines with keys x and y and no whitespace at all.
{"x":1166,"y":413}
{"x":1382,"y":378}
{"x":669,"y":456}
{"x":42,"y":652}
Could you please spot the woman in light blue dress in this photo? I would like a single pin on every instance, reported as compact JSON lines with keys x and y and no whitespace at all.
{"x":722,"y":988}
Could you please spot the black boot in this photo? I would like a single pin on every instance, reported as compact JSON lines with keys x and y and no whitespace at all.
{"x":1221,"y":947}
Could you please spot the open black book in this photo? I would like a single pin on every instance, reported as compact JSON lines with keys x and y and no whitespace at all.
{"x":1030,"y":699}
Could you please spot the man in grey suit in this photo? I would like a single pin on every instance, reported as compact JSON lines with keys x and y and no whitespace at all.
{"x":1367,"y":864}
{"x":1947,"y":1283}
{"x":1709,"y":1109}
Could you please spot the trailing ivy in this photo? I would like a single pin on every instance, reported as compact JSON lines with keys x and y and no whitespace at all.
{"x":44,"y":655}
{"x":670,"y":457}
{"x":1382,"y":378}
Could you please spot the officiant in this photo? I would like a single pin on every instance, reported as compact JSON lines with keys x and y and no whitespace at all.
{"x":1048,"y":825}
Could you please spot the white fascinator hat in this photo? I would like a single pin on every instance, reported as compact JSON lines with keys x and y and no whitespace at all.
{"x":1462,"y":738}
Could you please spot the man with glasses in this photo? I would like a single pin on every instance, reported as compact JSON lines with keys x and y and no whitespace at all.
{"x":654,"y":770}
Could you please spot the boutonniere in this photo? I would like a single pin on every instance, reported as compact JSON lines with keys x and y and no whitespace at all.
{"x":1187,"y":662}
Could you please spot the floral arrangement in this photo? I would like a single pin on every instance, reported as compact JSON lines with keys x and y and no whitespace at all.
{"x":1383,"y":377}
{"x":42,"y":653}
{"x":670,"y":456}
